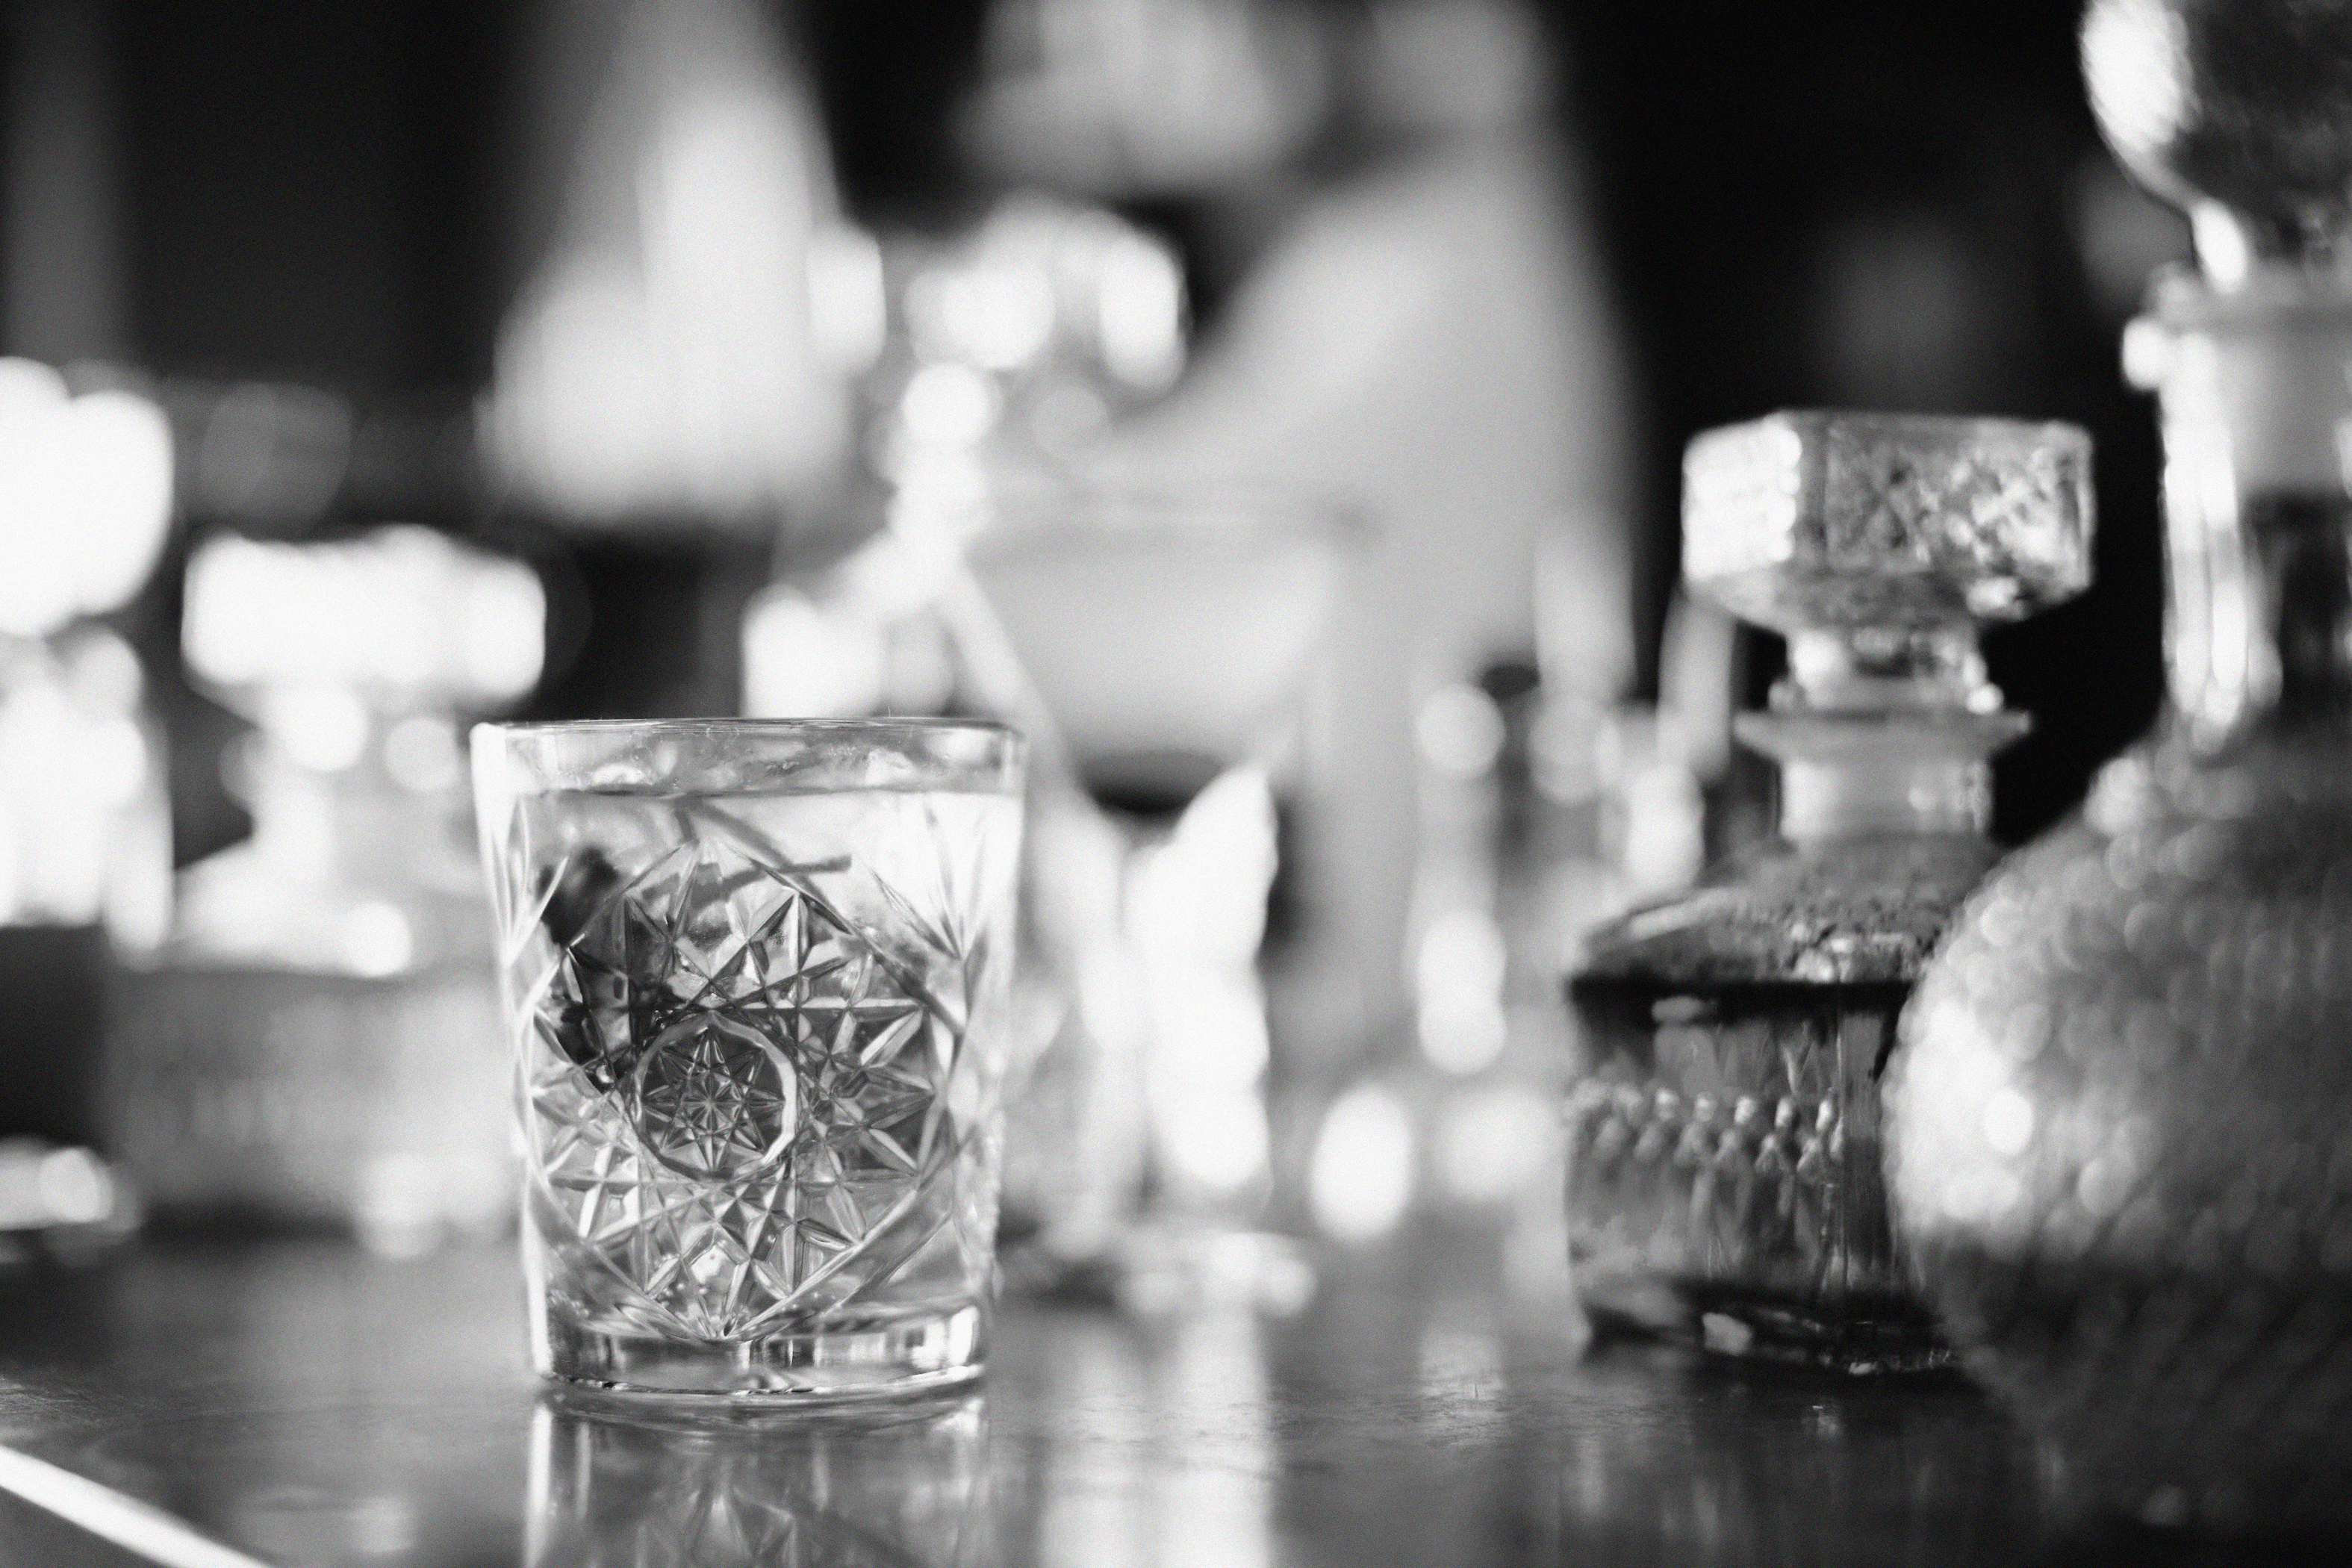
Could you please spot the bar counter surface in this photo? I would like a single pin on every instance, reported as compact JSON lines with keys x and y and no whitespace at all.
{"x":305,"y":1403}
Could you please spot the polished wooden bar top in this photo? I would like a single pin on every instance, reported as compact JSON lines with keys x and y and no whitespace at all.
{"x":304,"y":1402}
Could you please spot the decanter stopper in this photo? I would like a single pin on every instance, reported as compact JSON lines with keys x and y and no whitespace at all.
{"x":2240,"y":112}
{"x":1880,"y":545}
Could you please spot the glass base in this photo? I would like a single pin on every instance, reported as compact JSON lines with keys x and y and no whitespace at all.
{"x":847,"y":1362}
{"x":1861,"y":1333}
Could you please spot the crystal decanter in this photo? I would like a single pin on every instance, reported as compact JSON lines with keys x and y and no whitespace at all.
{"x":1723,"y":1181}
{"x":2121,"y":1130}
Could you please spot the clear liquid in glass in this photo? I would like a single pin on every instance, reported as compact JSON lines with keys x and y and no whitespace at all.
{"x":756,"y":1110}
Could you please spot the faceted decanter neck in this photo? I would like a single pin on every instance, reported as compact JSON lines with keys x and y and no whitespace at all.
{"x":1882,"y":731}
{"x":2240,"y":113}
{"x":2255,"y":387}
{"x":1859,"y":668}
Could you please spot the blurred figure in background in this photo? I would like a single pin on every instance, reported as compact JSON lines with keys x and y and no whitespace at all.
{"x":1402,"y":310}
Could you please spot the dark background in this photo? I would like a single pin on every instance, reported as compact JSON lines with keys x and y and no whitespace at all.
{"x":1735,"y":145}
{"x":327,"y":193}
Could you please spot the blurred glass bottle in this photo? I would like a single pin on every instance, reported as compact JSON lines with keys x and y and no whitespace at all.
{"x":1723,"y":1180}
{"x":85,"y":831}
{"x":2119,"y":1133}
{"x":1544,"y":810}
{"x":316,"y":1042}
{"x":1457,"y":1122}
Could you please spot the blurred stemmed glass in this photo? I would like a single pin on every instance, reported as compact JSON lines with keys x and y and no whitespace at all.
{"x":1155,"y":644}
{"x":1168,"y":635}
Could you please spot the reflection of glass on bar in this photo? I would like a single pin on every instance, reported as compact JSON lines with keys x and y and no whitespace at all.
{"x":903,"y":1484}
{"x":756,"y":978}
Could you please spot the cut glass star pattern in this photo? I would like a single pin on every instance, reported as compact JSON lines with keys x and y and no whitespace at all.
{"x":745,"y":1110}
{"x":1730,"y":1152}
{"x":713,"y":1098}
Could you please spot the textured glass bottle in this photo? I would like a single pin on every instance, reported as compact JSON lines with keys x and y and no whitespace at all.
{"x":2123,"y":1125}
{"x":1723,"y":1126}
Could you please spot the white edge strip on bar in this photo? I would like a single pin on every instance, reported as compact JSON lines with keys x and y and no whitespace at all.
{"x":110,"y":1515}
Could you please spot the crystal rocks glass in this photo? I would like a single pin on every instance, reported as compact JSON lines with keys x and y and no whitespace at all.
{"x":755,"y":980}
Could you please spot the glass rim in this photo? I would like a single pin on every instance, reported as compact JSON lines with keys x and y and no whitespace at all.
{"x":747,"y":756}
{"x":1888,"y":426}
{"x":882,"y":725}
